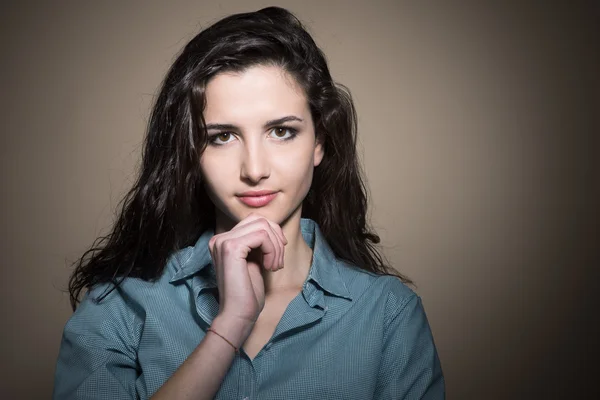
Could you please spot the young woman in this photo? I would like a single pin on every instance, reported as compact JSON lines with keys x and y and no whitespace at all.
{"x":241,"y":265}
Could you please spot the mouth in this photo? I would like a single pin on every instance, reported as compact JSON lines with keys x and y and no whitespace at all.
{"x":258,"y":198}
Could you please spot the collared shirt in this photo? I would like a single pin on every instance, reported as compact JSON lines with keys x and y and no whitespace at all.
{"x":349,"y":334}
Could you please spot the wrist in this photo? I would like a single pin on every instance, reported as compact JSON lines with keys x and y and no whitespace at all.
{"x":234,"y":329}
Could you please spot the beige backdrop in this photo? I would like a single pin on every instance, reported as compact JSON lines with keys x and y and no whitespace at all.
{"x":477,"y":136}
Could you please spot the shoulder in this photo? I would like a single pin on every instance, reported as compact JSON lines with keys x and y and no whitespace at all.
{"x":105,"y":308}
{"x":396,"y":321}
{"x":106,"y":305}
{"x":127,"y":305}
{"x":130,"y":291}
{"x":358,"y":280}
{"x":387,"y":291}
{"x":100,"y":342}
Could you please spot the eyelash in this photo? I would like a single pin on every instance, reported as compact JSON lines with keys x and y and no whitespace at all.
{"x":292,"y":131}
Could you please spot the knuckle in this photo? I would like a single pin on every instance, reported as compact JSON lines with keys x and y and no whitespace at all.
{"x":262,"y":221}
{"x":228,"y":246}
{"x":211,"y":242}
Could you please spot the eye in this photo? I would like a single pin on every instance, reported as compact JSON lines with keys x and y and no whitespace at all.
{"x":221,"y":138}
{"x":283,"y":132}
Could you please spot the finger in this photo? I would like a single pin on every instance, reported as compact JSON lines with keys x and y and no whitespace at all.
{"x":256,"y":216}
{"x":212,"y":248}
{"x":214,"y":253}
{"x":229,"y":241}
{"x":260,"y":224}
{"x":258,"y":239}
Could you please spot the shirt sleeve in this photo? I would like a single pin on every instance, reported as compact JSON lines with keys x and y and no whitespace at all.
{"x":410,"y":367}
{"x":97,"y":356}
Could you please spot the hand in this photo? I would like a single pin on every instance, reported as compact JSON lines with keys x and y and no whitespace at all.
{"x":238,"y":256}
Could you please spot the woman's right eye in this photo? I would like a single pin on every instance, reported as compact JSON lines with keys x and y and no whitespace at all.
{"x":220,"y":138}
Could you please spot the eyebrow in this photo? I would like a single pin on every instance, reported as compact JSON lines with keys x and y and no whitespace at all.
{"x":268,"y":124}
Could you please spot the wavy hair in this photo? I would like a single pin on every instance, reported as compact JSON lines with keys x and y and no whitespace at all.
{"x":167,"y":208}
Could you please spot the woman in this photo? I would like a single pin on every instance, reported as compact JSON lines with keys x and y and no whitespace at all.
{"x":241,"y":265}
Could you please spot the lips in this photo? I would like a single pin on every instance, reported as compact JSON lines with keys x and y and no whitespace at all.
{"x":259,"y":198}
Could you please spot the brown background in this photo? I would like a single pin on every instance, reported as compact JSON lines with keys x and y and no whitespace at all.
{"x":477,"y":129}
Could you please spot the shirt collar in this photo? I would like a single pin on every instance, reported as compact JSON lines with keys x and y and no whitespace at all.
{"x":191,"y":260}
{"x":326,"y":270}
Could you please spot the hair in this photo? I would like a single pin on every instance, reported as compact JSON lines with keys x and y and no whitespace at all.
{"x":168,"y":208}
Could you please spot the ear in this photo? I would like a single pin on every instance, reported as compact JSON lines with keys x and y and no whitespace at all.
{"x":319,"y":152}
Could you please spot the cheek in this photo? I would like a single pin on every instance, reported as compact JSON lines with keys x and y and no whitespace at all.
{"x":214,"y":173}
{"x":296,"y":168}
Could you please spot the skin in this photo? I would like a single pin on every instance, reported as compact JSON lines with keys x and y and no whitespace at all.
{"x":258,"y":253}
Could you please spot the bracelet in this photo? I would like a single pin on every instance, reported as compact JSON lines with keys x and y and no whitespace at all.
{"x":224,"y":338}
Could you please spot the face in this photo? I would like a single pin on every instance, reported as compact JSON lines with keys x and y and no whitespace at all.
{"x":262,"y":148}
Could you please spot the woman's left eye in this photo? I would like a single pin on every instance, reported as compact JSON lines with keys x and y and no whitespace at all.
{"x":281,"y":132}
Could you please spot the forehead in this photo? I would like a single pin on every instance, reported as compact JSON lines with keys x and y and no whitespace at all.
{"x":255,"y":94}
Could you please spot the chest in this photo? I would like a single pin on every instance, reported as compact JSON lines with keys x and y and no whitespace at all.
{"x":330,"y":345}
{"x":323,"y":359}
{"x":275,"y":306}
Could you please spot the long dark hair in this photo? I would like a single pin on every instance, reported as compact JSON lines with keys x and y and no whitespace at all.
{"x":168,"y":208}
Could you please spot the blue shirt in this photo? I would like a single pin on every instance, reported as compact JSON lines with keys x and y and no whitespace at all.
{"x":349,"y":334}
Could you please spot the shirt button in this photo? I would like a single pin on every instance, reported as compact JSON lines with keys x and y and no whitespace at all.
{"x":246,"y":398}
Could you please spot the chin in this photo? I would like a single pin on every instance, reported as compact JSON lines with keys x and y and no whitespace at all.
{"x":271,"y":212}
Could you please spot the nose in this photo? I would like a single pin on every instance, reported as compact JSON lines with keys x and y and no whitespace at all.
{"x":255,"y":166}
